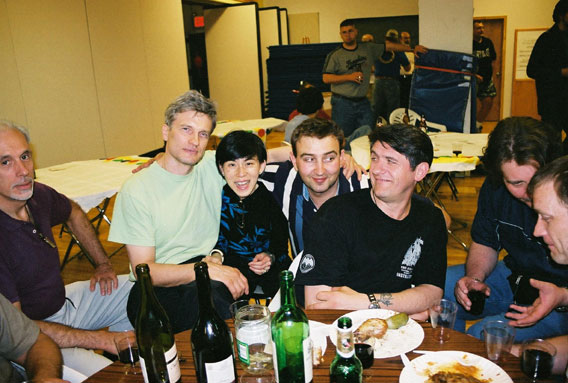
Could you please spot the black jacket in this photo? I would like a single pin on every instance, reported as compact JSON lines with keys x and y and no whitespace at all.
{"x":549,"y":55}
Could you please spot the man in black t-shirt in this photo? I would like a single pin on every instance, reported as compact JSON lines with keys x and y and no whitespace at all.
{"x":485,"y":52}
{"x":379,"y":247}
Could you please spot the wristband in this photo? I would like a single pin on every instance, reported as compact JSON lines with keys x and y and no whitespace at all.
{"x":217,"y":251}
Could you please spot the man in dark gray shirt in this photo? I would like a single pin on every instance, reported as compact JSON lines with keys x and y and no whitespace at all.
{"x":348,"y":70}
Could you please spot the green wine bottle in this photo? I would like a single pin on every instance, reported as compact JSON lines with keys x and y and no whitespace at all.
{"x":292,"y":347}
{"x":346,"y":367}
{"x":156,"y":344}
{"x":211,"y":339}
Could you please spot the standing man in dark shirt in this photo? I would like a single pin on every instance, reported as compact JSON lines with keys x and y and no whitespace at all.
{"x":406,"y":75}
{"x":386,"y":94}
{"x":484,"y":50}
{"x":548,"y":65}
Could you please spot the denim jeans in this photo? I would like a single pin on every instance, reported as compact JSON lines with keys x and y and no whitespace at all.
{"x":350,"y":114}
{"x":497,"y":304}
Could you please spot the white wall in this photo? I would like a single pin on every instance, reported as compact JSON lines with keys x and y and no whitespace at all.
{"x":332,"y":12}
{"x":90,"y":78}
{"x":520,"y":14}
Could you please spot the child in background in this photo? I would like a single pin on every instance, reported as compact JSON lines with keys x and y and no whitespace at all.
{"x":253,"y":234}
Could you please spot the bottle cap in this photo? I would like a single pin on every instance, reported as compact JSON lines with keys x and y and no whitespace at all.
{"x":344,"y":323}
{"x":286,"y":275}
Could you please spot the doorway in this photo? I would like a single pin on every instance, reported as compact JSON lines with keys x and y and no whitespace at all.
{"x":495,"y":31}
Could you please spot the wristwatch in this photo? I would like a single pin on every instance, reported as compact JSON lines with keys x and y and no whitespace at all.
{"x":374,"y":304}
{"x":271,"y":256}
{"x":562,"y":309}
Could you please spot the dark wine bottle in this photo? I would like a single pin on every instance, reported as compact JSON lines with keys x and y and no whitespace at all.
{"x":346,"y":367}
{"x":292,"y":347}
{"x":156,"y":344}
{"x":211,"y":340}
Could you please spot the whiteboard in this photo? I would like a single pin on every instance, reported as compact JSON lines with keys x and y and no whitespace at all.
{"x":524,"y":43}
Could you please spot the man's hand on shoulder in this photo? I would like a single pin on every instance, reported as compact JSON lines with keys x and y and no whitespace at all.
{"x":105,"y":277}
{"x":231,"y":277}
{"x":147,"y":163}
{"x":340,"y":298}
{"x":351,"y":166}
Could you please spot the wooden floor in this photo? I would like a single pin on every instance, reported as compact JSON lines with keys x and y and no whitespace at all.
{"x":462,"y":210}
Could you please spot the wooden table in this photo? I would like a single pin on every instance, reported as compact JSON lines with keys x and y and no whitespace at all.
{"x":383,"y":370}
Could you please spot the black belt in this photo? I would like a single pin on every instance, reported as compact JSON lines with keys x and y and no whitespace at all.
{"x":355,"y":99}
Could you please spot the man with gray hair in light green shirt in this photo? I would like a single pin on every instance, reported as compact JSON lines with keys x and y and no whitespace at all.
{"x":168,"y":216}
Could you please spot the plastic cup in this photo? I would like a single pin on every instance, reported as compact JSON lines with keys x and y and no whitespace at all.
{"x":443,"y":317}
{"x":499,"y":337}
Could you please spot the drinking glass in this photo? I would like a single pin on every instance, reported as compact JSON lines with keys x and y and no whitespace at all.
{"x":537,"y":359}
{"x":366,"y":354}
{"x":499,"y":337}
{"x":443,"y":317}
{"x":236,"y":305}
{"x":254,"y":377}
{"x":254,"y":348}
{"x":127,"y":349}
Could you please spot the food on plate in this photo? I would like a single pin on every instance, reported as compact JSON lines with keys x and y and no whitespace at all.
{"x":457,"y":373}
{"x":397,"y":321}
{"x":376,"y":328}
{"x":453,"y":377}
{"x":371,"y":328}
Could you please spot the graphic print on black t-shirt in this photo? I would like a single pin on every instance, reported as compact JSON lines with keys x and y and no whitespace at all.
{"x":357,"y":64}
{"x":410,"y":259}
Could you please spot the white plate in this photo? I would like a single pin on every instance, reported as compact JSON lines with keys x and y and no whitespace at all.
{"x":422,"y":367}
{"x":395,"y":342}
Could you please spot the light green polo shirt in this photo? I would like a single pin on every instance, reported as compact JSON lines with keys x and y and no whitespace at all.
{"x":178,"y":215}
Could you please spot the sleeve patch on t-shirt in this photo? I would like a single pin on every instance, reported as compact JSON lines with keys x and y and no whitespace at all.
{"x":307,"y":264}
{"x":410,"y":259}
